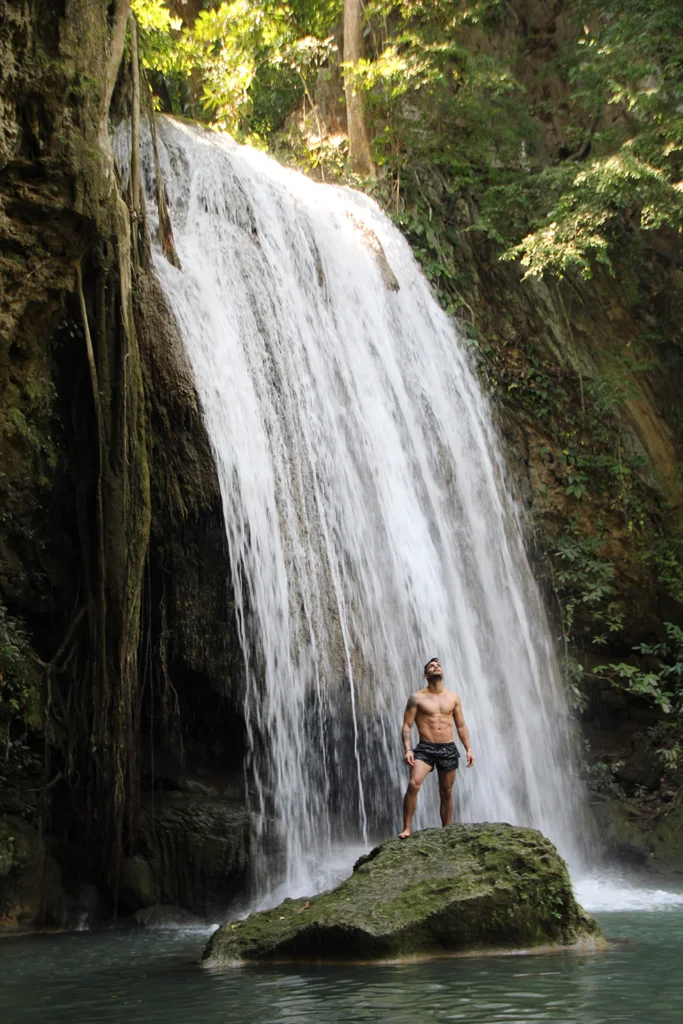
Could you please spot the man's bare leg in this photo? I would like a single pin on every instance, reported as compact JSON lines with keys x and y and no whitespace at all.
{"x":418,"y":773}
{"x":446,"y":780}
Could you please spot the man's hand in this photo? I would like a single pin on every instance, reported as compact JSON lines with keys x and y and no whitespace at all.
{"x":409,"y":758}
{"x":463,"y":731}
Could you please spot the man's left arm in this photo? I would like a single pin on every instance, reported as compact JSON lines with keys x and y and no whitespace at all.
{"x":463,"y":731}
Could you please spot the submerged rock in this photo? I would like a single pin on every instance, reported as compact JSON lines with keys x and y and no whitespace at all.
{"x":461,"y":889}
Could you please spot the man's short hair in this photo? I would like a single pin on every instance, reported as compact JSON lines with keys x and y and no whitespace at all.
{"x":427,"y":663}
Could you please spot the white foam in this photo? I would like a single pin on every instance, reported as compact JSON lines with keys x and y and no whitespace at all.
{"x":601,"y":893}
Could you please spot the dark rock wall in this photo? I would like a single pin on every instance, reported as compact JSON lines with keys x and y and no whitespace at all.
{"x":59,"y":207}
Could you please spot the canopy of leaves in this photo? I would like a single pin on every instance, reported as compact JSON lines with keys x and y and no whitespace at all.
{"x":243,"y":66}
{"x":558,"y":184}
{"x":625,"y":67}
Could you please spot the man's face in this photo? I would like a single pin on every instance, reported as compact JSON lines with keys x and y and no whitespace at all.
{"x":434,"y":670}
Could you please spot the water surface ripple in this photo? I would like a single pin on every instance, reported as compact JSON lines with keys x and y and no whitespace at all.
{"x":149,"y":978}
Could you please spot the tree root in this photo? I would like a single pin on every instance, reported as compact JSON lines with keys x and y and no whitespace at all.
{"x":165,"y":232}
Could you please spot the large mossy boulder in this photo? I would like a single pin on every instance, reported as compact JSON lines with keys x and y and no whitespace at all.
{"x":461,"y":889}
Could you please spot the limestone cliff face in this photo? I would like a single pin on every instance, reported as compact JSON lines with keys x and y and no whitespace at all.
{"x":113,"y":571}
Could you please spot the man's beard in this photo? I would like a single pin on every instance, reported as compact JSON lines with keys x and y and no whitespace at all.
{"x":433,"y":676}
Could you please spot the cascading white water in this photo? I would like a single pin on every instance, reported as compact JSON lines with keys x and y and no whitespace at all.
{"x":368,"y":520}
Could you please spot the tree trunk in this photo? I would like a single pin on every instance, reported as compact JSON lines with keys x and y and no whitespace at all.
{"x":359,"y":147}
{"x":116,"y":45}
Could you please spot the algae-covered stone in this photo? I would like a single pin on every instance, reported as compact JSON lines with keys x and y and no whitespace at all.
{"x":138,"y":888}
{"x":197,"y":849}
{"x":464,"y":888}
{"x":666,"y":841}
{"x":22,"y":859}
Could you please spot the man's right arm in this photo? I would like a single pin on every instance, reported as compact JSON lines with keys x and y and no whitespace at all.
{"x":407,"y":729}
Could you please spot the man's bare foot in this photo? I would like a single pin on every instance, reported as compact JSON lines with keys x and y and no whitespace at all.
{"x":405,"y":834}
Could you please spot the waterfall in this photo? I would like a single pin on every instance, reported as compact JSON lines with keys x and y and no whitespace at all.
{"x":368,"y":519}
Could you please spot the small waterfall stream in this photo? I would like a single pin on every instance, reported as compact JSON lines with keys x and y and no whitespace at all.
{"x":368,"y":519}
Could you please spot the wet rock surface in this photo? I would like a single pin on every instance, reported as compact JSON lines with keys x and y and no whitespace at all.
{"x":641,"y":835}
{"x":138,"y":885}
{"x":666,"y":841}
{"x":30,"y":882}
{"x":167,"y":916}
{"x":461,"y":889}
{"x":195,"y":855}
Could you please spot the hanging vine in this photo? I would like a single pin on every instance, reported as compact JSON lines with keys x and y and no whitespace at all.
{"x":101,"y":692}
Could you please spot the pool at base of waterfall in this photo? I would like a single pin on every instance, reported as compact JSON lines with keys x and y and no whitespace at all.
{"x":150,"y":977}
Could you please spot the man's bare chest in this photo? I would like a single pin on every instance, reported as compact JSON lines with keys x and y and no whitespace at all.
{"x":431,"y":706}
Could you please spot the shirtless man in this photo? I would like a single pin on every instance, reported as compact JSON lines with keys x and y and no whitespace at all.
{"x":433,"y":709}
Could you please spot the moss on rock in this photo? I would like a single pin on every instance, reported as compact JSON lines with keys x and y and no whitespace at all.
{"x":30,"y":881}
{"x":666,"y":841}
{"x":197,"y":852}
{"x":461,"y":889}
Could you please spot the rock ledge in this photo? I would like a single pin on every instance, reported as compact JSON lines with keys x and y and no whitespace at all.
{"x":462,"y":889}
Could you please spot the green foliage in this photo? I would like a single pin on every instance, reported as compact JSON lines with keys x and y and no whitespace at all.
{"x":600,"y":776}
{"x":438,"y":101}
{"x":580,"y":228}
{"x":431,"y":248}
{"x":448,"y":106}
{"x":441,"y":98}
{"x":591,"y":467}
{"x":588,"y":457}
{"x":572,"y":672}
{"x":625,"y":70}
{"x":310,"y":153}
{"x":16,"y":672}
{"x":254,"y":60}
{"x":159,"y":46}
{"x":663,"y":685}
{"x":583,"y":581}
{"x":667,"y":559}
{"x":666,"y":736}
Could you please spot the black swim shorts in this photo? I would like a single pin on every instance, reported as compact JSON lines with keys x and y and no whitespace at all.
{"x":442,"y":756}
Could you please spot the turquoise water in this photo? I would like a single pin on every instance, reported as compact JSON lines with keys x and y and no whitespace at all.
{"x":151,"y":977}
